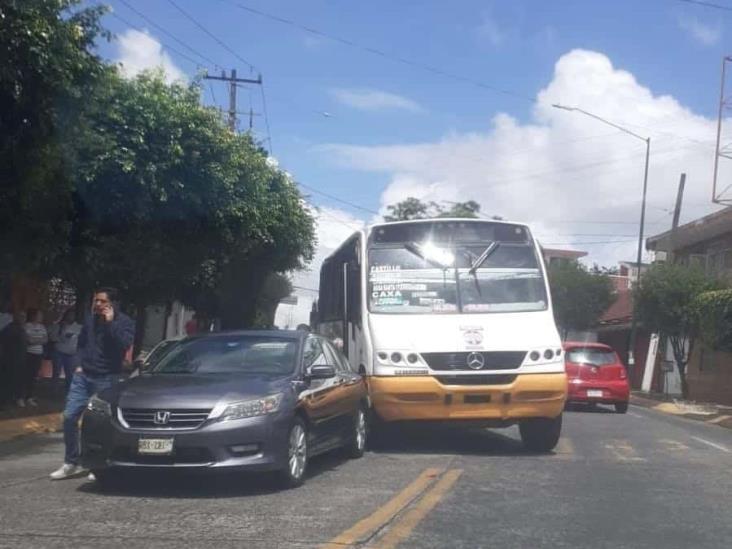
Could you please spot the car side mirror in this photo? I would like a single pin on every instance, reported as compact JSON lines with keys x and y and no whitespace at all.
{"x":320,"y":372}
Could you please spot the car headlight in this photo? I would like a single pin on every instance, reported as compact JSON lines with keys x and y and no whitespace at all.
{"x":251,"y":408}
{"x":99,"y":406}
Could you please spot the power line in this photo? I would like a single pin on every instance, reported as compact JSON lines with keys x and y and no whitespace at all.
{"x":305,"y":289}
{"x":169,"y":34}
{"x":339,"y":220}
{"x":167,"y":46}
{"x":210,"y":34}
{"x":586,"y":243}
{"x":336,"y":199}
{"x":381,"y":53}
{"x":707,"y":4}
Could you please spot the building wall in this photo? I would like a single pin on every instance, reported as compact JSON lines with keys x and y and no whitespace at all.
{"x":709,"y":374}
{"x":715,"y":256}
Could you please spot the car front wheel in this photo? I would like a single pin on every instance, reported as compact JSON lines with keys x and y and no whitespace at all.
{"x":293,"y":474}
{"x":541,"y":434}
{"x":357,"y":445}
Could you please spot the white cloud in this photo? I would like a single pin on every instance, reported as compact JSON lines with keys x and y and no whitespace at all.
{"x":138,"y":51}
{"x":492,"y":31}
{"x":312,"y":42}
{"x":563,"y":172}
{"x":333,"y":227}
{"x":366,"y":99}
{"x":705,"y":34}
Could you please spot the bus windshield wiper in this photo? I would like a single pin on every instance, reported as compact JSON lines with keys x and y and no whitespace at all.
{"x":492,"y":247}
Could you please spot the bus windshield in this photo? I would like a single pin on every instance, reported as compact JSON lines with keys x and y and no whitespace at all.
{"x":455,"y":278}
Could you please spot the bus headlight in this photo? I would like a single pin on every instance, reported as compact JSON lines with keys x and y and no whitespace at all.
{"x":542,"y":356}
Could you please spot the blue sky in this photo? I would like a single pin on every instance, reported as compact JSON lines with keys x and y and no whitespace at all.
{"x":394,"y":129}
{"x":509,"y":44}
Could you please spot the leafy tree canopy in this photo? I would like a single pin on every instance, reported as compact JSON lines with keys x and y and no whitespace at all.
{"x":666,"y":302}
{"x":414,"y":208}
{"x":579,"y":297}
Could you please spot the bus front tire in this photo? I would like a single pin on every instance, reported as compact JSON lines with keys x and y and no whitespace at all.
{"x":541,"y":434}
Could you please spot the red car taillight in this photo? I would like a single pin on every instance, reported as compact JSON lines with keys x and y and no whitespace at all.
{"x":623,"y":373}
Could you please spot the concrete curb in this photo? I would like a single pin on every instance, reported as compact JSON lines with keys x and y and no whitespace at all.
{"x":13,"y":428}
{"x":721,"y":419}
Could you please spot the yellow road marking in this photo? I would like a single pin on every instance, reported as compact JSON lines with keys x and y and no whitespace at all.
{"x":674,"y":445}
{"x":404,"y":526}
{"x":11,"y":428}
{"x":623,"y":451}
{"x":384,"y":513}
{"x":719,"y":419}
{"x":564,"y":449}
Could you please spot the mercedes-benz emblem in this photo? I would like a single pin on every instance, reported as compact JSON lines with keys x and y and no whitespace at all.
{"x":161,"y":418}
{"x":475,"y":361}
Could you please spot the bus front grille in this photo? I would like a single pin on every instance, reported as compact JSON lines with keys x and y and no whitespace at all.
{"x":492,"y":360}
{"x":500,"y":379}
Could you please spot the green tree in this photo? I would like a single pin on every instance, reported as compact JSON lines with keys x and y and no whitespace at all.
{"x":470,"y":209}
{"x":408,"y":209}
{"x":579,"y":297}
{"x":47,"y":69}
{"x":169,"y":204}
{"x":414,"y":208}
{"x":666,"y":303}
{"x":275,"y":288}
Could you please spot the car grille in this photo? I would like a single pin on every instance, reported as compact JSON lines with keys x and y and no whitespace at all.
{"x":492,"y":360}
{"x":144,"y":418}
{"x":187,"y":456}
{"x":500,"y":379}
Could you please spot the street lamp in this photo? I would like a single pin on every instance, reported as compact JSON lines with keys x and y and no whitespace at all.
{"x":647,"y":140}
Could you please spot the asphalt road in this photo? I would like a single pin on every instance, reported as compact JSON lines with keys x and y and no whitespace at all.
{"x":637,"y":480}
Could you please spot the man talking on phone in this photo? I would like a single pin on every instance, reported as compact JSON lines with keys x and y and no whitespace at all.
{"x":103,"y":342}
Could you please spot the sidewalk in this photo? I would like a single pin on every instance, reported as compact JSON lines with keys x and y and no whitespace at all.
{"x":715,"y":414}
{"x":45,"y":418}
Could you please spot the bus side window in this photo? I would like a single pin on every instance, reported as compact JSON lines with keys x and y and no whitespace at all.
{"x":354,"y":293}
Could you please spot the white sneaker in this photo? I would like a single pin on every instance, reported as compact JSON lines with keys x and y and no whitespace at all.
{"x":20,"y":402}
{"x":32,"y":402}
{"x":67,"y":470}
{"x":91,"y":477}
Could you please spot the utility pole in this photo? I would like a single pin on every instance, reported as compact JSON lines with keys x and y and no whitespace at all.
{"x":675,"y":222}
{"x":233,"y":81}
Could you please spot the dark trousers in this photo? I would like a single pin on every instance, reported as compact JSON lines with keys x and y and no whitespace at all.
{"x":6,"y":380}
{"x":32,"y":367}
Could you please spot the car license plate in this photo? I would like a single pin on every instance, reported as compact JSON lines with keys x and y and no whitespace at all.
{"x":157,"y":446}
{"x":594,"y":394}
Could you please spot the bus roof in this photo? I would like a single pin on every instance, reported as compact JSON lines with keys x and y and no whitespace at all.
{"x":446,"y":219}
{"x":366,"y":230}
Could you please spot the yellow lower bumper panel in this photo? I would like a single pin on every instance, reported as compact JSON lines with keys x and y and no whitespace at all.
{"x":425,"y":398}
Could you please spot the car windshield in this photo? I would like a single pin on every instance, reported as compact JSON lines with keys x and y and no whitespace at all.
{"x":434,"y":278}
{"x":230,"y":354}
{"x":594,"y":357}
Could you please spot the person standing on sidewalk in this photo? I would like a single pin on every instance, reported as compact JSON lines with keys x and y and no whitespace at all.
{"x":36,"y":338}
{"x":12,"y":355}
{"x":66,"y":337}
{"x":103,"y":342}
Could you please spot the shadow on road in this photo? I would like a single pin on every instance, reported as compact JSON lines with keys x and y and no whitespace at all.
{"x":203,"y":485}
{"x":589,"y":408}
{"x":442,"y":439}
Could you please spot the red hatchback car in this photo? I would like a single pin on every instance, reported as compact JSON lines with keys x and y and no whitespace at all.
{"x":596,"y":375}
